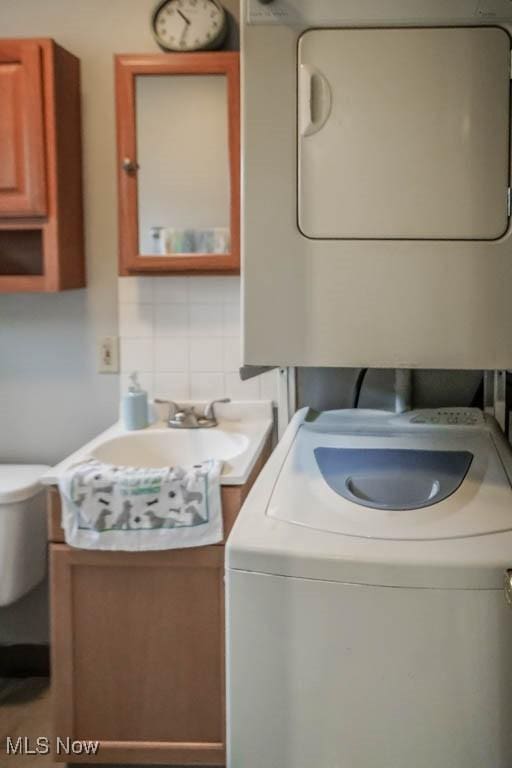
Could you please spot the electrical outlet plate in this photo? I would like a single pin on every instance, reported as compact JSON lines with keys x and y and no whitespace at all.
{"x":108,"y":354}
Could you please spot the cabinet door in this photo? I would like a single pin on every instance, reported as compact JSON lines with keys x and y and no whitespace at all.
{"x":404,"y":133}
{"x":178,"y":130}
{"x":22,"y":165}
{"x":138,"y":653}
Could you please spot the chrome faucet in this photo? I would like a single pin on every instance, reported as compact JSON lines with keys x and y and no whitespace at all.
{"x":183,"y":417}
{"x":209,"y":411}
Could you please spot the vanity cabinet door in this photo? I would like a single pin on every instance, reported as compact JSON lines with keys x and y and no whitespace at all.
{"x":138,"y":653}
{"x":22,"y":162}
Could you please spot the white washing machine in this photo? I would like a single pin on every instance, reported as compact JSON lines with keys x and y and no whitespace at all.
{"x":368,"y":623}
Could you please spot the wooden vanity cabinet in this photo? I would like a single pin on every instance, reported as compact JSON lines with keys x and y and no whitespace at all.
{"x":138,"y":647}
{"x":138,"y":644}
{"x":41,"y":221}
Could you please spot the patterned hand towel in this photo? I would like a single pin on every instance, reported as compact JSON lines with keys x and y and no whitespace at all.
{"x":135,"y":509}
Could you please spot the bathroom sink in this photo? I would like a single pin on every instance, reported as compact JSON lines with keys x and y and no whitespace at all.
{"x":238,"y":440}
{"x":168,"y":447}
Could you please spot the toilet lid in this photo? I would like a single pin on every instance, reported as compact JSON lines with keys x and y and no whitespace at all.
{"x":19,"y":482}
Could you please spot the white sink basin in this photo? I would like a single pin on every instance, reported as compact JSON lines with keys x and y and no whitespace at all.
{"x":237,"y":441}
{"x":164,"y":448}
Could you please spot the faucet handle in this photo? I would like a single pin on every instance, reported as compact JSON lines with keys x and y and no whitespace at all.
{"x":209,"y":411}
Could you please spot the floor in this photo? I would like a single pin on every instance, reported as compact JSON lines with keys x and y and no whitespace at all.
{"x":25,"y":710}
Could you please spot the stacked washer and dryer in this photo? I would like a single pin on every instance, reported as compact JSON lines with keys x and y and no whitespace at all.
{"x":369,"y":574}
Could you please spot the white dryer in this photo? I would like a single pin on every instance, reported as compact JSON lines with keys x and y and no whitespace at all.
{"x":376,"y":175}
{"x":368,"y":622}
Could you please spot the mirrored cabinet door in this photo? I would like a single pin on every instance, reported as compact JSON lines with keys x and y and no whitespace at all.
{"x":183,"y":157}
{"x":178,"y":154}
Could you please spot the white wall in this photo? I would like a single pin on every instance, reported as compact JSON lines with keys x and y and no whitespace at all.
{"x":51,"y":397}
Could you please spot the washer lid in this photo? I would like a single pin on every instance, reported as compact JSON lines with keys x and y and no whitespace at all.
{"x":442,"y":484}
{"x":393,"y":478}
{"x":19,"y":482}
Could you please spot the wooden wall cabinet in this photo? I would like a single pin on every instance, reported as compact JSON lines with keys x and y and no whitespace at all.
{"x":138,"y":647}
{"x":148,"y":169}
{"x":41,"y":220}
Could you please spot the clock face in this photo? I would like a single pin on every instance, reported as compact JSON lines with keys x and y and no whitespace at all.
{"x":189,"y":25}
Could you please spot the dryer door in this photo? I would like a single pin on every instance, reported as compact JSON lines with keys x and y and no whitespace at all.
{"x":404,"y":133}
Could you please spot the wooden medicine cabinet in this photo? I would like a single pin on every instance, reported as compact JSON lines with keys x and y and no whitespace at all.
{"x":41,"y":221}
{"x":178,"y":135}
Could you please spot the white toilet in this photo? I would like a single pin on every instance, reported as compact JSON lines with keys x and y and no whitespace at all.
{"x":22,"y":530}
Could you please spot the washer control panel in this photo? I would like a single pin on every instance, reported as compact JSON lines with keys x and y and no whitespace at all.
{"x":461,"y":417}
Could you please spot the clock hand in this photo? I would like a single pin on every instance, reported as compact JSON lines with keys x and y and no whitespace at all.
{"x":187,"y":21}
{"x":184,"y":34}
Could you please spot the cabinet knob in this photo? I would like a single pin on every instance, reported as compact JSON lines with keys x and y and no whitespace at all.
{"x":130,"y":166}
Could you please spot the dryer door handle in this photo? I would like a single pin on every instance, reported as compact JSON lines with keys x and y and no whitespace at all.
{"x":315,"y":100}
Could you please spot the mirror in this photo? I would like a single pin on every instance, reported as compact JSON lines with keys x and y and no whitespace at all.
{"x":184,"y":195}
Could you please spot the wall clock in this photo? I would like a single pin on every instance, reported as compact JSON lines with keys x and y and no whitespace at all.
{"x":189,"y":25}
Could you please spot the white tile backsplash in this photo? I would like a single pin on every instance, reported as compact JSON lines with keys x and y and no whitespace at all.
{"x":136,"y":354}
{"x":174,"y":386}
{"x":232,"y":290}
{"x":206,"y":320}
{"x":206,"y":355}
{"x":136,"y":320}
{"x":231,"y":320}
{"x":206,"y":386}
{"x":136,"y":290}
{"x":171,"y":290}
{"x":183,"y":335}
{"x":172,"y":320}
{"x":171,"y":355}
{"x":232,"y":353}
{"x":210,"y":290}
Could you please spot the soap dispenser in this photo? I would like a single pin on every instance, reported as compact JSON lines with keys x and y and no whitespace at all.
{"x":134,"y":405}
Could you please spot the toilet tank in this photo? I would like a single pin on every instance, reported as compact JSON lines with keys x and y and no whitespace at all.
{"x":376,"y":173}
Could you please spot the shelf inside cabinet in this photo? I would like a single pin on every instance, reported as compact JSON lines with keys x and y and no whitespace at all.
{"x":21,"y":252}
